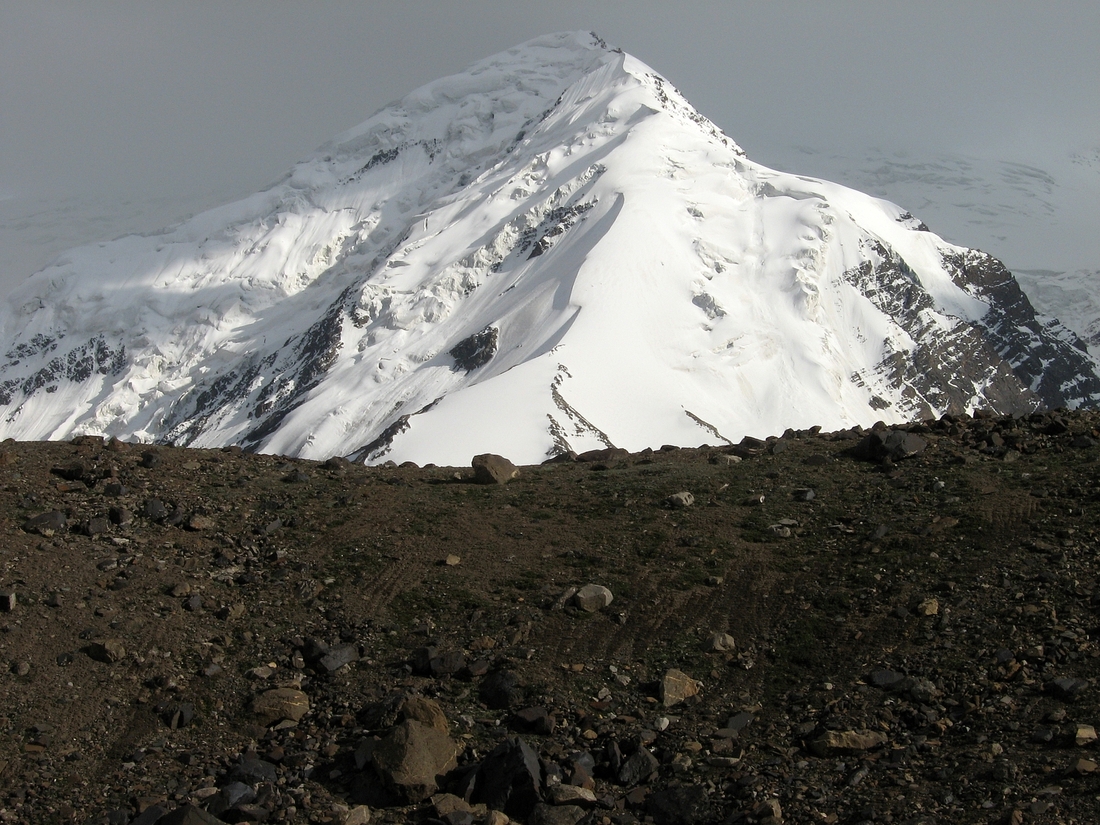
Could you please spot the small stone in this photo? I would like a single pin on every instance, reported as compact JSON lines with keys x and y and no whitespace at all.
{"x":719,"y":643}
{"x":572,"y":795}
{"x":96,"y":526}
{"x":447,"y":804}
{"x":739,"y":721}
{"x":280,"y":703}
{"x":534,"y":720}
{"x":887,"y":679}
{"x":768,"y":811}
{"x":359,"y":815}
{"x":804,"y":494}
{"x":592,"y":598}
{"x":555,"y":814}
{"x":493,"y":469}
{"x":836,"y":742}
{"x":929,"y":607}
{"x":676,"y":686}
{"x":681,"y":763}
{"x":1084,"y":735}
{"x":337,"y":657}
{"x":199,"y":522}
{"x":679,"y":501}
{"x":7,"y":600}
{"x":452,"y":560}
{"x":446,"y":663}
{"x":232,"y":611}
{"x":187,"y":815}
{"x":638,"y":767}
{"x":1082,"y":767}
{"x":109,"y":651}
{"x":1066,"y":687}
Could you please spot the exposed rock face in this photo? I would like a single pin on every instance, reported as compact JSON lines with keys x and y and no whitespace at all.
{"x":475,"y":351}
{"x":1046,"y":358}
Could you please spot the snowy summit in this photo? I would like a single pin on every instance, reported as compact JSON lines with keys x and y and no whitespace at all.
{"x":550,"y":251}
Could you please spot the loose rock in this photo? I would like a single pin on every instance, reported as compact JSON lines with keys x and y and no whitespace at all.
{"x":493,"y":469}
{"x":676,"y":686}
{"x":592,"y":598}
{"x":281,"y":703}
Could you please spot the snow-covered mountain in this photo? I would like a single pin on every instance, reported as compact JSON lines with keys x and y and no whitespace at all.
{"x":551,"y":251}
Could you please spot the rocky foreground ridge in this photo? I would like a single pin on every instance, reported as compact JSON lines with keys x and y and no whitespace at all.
{"x":895,"y":625}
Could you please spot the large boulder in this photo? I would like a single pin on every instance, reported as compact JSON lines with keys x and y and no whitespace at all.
{"x":882,"y":444}
{"x":509,"y":779}
{"x":411,"y":759}
{"x":281,"y":703}
{"x":493,"y":469}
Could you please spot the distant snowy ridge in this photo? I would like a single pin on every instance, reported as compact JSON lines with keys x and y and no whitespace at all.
{"x":551,"y":251}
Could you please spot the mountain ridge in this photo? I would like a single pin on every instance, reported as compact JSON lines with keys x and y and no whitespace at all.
{"x":549,"y":252}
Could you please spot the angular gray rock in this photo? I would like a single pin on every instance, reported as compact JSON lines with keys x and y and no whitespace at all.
{"x":895,"y":445}
{"x":592,"y":598}
{"x":509,"y":779}
{"x":639,"y":767}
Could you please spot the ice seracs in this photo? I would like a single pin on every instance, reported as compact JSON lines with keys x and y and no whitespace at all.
{"x":551,"y":251}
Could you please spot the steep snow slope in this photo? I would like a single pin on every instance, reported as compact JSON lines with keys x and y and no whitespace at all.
{"x":550,"y":251}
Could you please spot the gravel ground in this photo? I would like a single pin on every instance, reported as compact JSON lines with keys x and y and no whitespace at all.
{"x":889,"y":627}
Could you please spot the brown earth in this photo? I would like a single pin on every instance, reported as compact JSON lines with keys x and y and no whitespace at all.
{"x":913,"y":642}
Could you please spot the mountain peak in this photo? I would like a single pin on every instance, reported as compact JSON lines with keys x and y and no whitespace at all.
{"x":549,"y":251}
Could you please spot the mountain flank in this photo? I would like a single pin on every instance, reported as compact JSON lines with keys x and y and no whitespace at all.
{"x":549,"y":253}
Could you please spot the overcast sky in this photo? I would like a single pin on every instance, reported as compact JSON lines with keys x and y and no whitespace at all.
{"x":123,"y":116}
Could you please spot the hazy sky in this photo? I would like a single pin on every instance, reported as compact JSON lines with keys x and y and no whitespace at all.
{"x":122,"y":116}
